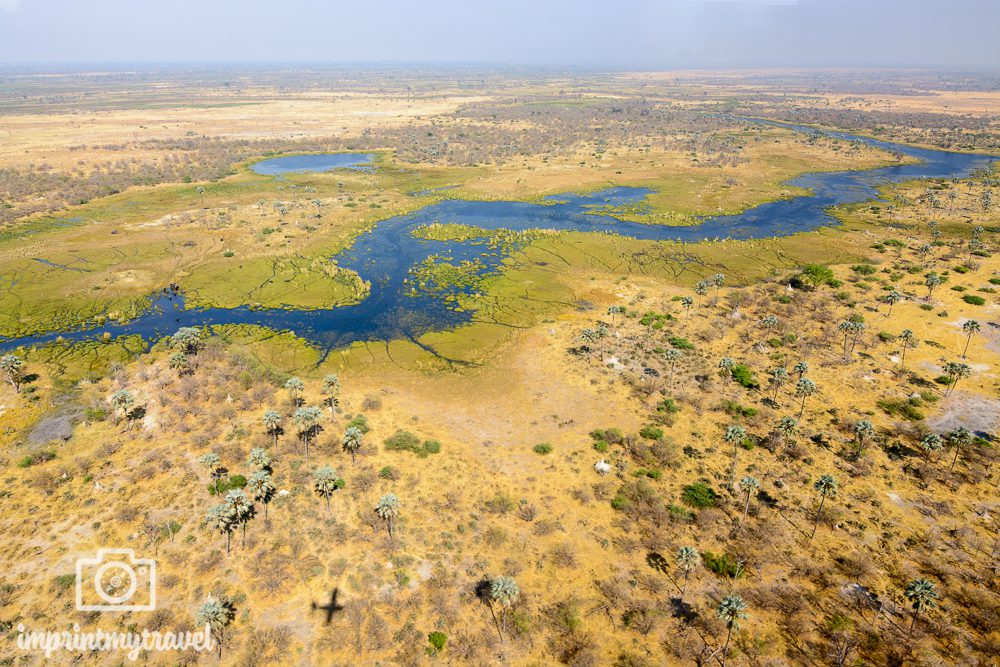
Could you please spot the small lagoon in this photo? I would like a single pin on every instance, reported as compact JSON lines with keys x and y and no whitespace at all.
{"x":297,"y":164}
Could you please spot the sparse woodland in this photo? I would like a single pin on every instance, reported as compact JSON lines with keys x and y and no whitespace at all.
{"x":800,"y":469}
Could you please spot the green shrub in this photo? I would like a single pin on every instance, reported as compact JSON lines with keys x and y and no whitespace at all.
{"x":650,"y":432}
{"x":669,"y":406}
{"x":542,"y":448}
{"x":228,"y":484}
{"x":736,"y":410}
{"x":974,"y":300}
{"x":361,"y":423}
{"x":619,"y":502}
{"x":864,"y":269}
{"x":907,"y":409}
{"x":437,"y":641}
{"x":388,"y":472}
{"x":65,"y":581}
{"x":678,"y":513}
{"x":432,"y":446}
{"x":41,"y":456}
{"x":699,"y":495}
{"x":403,"y":441}
{"x":681,"y":343}
{"x":722,"y":565}
{"x":95,"y":414}
{"x":995,"y":281}
{"x":744,"y":376}
{"x":600,"y":446}
{"x":651,"y":473}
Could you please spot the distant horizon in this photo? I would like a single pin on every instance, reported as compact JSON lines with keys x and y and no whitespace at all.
{"x":632,"y":35}
{"x":124,"y":67}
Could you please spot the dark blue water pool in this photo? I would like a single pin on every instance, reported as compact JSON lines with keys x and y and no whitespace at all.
{"x":386,"y":255}
{"x":294,"y":164}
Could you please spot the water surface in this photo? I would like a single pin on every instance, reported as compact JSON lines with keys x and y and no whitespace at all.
{"x":295,"y":164}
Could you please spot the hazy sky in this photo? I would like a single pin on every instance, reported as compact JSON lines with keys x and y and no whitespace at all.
{"x":586,"y":33}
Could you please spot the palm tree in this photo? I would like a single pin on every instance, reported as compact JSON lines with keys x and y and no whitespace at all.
{"x":201,"y":194}
{"x":933,"y":280}
{"x":804,"y":388}
{"x":295,"y":387}
{"x":732,"y":610}
{"x":907,"y":341}
{"x":827,"y":486}
{"x":212,"y":462}
{"x":261,"y":485}
{"x":272,"y":422}
{"x":307,"y":422}
{"x":863,"y":430}
{"x":718,"y":280}
{"x":317,"y":203}
{"x":970,"y":327}
{"x":331,"y":387}
{"x":687,"y":302}
{"x":748,"y":485}
{"x":769,"y":323}
{"x":701,"y":288}
{"x":735,"y":434}
{"x":922,"y":594}
{"x":800,"y":369}
{"x":923,"y":251}
{"x":892,"y":298}
{"x":779,"y":376}
{"x":221,"y":518}
{"x":326,"y":482}
{"x":179,"y":362}
{"x":960,"y":437}
{"x":596,"y":335}
{"x":188,"y":339}
{"x":931,"y":443}
{"x":687,"y":559}
{"x":505,"y":592}
{"x":217,"y":615}
{"x":672,"y":355}
{"x":122,"y":401}
{"x":353,"y":439}
{"x":787,"y":427}
{"x":955,"y":372}
{"x":241,"y":509}
{"x":387,"y":508}
{"x":614,"y":312}
{"x":259,"y":459}
{"x":845,"y":327}
{"x":857,"y":328}
{"x":12,"y":366}
{"x":726,"y":368}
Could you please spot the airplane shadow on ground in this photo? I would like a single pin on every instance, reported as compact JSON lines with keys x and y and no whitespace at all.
{"x":331,"y":607}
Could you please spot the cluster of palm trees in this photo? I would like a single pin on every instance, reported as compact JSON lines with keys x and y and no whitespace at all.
{"x":238,"y":506}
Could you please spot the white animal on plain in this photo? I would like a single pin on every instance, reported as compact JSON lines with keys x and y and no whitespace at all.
{"x":602,"y":467}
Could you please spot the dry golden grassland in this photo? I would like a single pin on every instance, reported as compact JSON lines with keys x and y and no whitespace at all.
{"x":504,"y":423}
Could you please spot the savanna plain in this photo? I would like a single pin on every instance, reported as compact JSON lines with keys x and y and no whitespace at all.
{"x":616,"y":451}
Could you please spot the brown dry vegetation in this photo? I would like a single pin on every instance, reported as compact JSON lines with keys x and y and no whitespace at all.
{"x":593,"y":555}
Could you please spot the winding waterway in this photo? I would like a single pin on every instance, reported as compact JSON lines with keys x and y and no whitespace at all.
{"x":385,"y":255}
